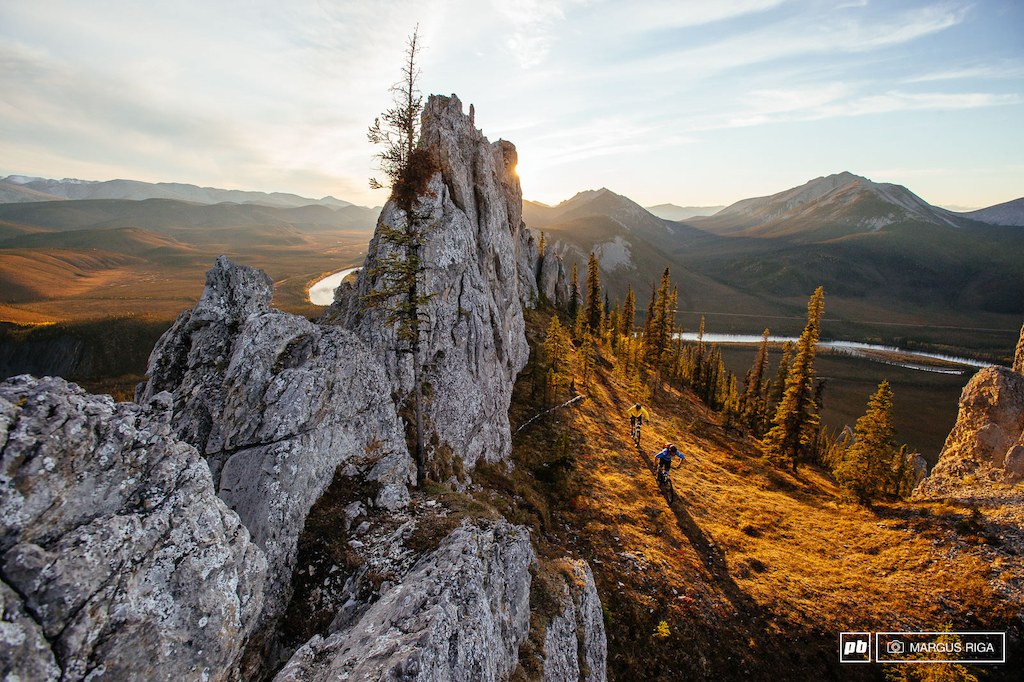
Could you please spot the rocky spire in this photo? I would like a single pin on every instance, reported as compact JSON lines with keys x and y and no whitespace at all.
{"x":481,"y":267}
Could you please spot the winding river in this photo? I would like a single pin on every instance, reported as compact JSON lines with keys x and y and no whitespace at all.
{"x":865,"y":350}
{"x":322,"y":291}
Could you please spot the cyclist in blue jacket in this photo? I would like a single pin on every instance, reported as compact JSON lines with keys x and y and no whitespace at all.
{"x":665,"y":457}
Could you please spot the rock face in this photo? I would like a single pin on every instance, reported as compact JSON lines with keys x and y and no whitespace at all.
{"x":983,"y":443}
{"x":117,"y":556}
{"x":276,"y":404}
{"x":460,"y":614}
{"x":476,"y":250}
{"x":553,"y":282}
{"x":575,"y":647}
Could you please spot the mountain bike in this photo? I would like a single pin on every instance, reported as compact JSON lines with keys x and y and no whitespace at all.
{"x":637,"y":422}
{"x":665,"y":484}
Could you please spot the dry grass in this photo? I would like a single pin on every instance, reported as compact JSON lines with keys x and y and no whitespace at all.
{"x":754,"y":570}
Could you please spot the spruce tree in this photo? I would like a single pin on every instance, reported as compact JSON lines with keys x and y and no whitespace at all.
{"x":752,"y":404}
{"x":627,"y":322}
{"x":795,"y":423}
{"x":574,"y":291}
{"x":867,"y":471}
{"x":594,"y":311}
{"x":399,"y":289}
{"x":779,"y":385}
{"x":542,"y":244}
{"x":649,"y":322}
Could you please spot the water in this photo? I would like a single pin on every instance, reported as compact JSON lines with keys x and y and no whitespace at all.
{"x":852,"y":348}
{"x":322,"y":292}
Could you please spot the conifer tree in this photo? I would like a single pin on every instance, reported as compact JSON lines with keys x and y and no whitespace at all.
{"x":867,"y":471}
{"x":542,"y":244}
{"x":779,"y":385}
{"x":399,"y":272}
{"x":574,"y":291}
{"x":557,"y":346}
{"x":594,"y":311}
{"x":795,"y":423}
{"x":752,"y":403}
{"x":628,"y":320}
{"x":649,"y":322}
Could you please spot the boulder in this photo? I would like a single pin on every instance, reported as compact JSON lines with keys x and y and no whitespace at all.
{"x":459,"y":615}
{"x":473,"y":344}
{"x":277,"y":404}
{"x":116,"y":556}
{"x":987,"y":431}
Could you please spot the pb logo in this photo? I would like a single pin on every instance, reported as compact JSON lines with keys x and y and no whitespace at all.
{"x":855,"y":647}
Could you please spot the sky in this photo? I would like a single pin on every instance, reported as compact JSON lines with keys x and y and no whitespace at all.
{"x":673,"y":101}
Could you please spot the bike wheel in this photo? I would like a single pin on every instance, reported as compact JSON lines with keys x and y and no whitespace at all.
{"x":670,"y":491}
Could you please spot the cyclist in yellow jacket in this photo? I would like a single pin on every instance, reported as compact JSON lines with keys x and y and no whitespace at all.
{"x":638,"y":411}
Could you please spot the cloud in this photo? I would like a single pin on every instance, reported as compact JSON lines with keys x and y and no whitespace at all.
{"x":1005,"y":70}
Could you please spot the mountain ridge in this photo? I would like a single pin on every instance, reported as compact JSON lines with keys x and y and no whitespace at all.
{"x":22,"y":188}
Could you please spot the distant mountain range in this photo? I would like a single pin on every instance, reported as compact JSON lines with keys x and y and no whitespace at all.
{"x":875,"y":247}
{"x":673,"y":212}
{"x":21,"y":188}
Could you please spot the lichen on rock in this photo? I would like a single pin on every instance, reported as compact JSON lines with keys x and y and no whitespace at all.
{"x":114,"y":543}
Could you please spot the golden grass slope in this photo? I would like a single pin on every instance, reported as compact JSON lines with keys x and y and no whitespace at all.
{"x":752,"y":572}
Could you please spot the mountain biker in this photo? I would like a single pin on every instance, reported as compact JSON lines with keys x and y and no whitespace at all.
{"x":636,"y":412}
{"x":665,"y":457}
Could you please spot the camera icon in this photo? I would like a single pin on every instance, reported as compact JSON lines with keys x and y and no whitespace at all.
{"x":896,"y":647}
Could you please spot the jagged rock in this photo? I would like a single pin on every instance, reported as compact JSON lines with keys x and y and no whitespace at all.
{"x":460,"y":614}
{"x":574,"y":644}
{"x":1018,"y":358}
{"x":24,"y":652}
{"x":920,"y":465}
{"x":276,"y":404}
{"x":528,"y":266}
{"x":553,"y":283}
{"x":474,"y":342}
{"x":114,"y":544}
{"x":987,"y":429}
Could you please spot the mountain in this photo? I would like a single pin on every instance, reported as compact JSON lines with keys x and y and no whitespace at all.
{"x":1009,"y":213}
{"x":828,"y":208}
{"x":170,"y":217}
{"x":20,"y":188}
{"x":673,"y":212}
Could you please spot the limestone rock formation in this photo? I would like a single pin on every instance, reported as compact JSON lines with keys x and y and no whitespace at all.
{"x":988,"y":428}
{"x":460,"y":614}
{"x":117,"y":556}
{"x":463,"y":613}
{"x":276,"y":404}
{"x":475,"y":251}
{"x":574,"y":643}
{"x":553,"y":282}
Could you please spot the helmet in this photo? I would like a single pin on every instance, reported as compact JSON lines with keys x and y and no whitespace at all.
{"x":673,"y":448}
{"x":637,"y":406}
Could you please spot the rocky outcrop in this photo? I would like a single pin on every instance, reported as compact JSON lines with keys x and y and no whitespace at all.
{"x":460,"y":614}
{"x":277,"y":405}
{"x":464,"y":613}
{"x":987,"y":431}
{"x":553,"y":282}
{"x":118,"y":559}
{"x":1018,"y":358}
{"x":574,"y":642}
{"x":474,"y":343}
